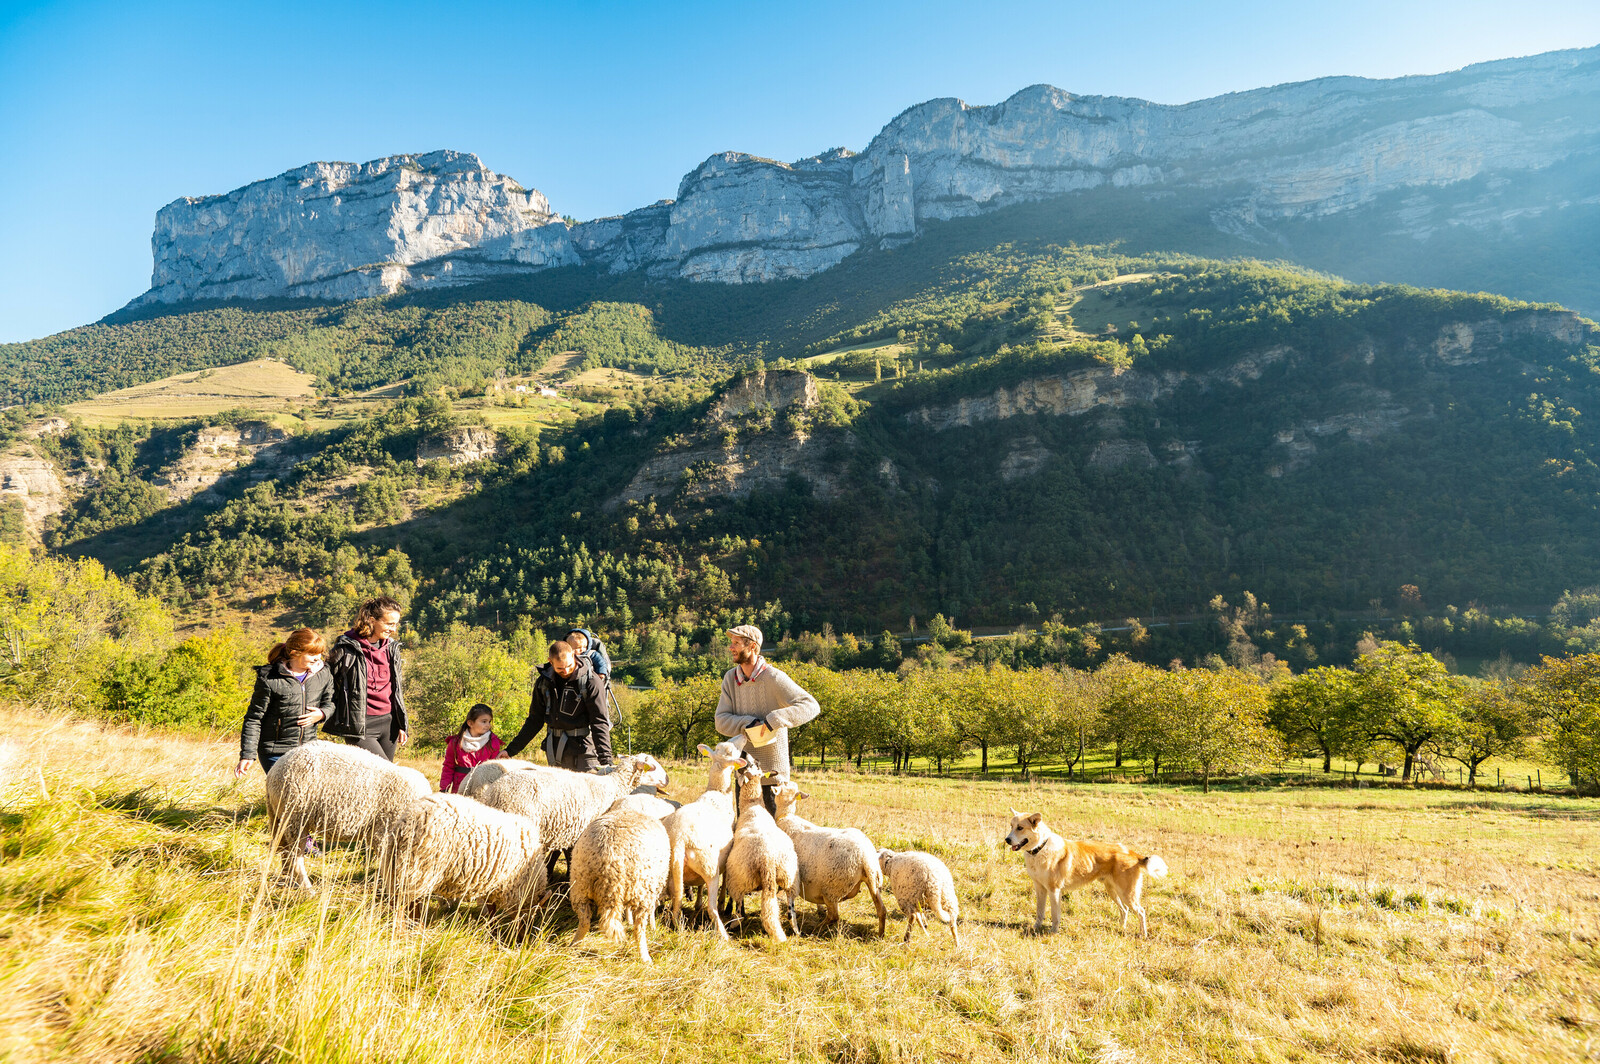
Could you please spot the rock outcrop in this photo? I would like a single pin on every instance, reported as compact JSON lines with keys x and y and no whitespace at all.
{"x":1297,"y":152}
{"x":718,"y":460}
{"x":344,"y":231}
{"x":460,"y":446}
{"x":29,"y":476}
{"x":253,"y":449}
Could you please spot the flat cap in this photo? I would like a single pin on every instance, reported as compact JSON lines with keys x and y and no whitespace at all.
{"x":747,"y":631}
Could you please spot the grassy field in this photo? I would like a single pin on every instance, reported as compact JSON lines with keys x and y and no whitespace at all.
{"x":140,"y":922}
{"x":1089,"y":310}
{"x":888,"y":351}
{"x":266,"y":385}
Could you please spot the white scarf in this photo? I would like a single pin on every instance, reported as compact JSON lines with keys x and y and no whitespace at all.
{"x":473,"y":743}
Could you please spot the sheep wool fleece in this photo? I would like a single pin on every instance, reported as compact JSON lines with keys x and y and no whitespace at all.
{"x":768,"y":695}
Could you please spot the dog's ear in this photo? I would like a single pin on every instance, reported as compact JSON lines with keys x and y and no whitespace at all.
{"x":1015,"y":814}
{"x":1034,"y":818}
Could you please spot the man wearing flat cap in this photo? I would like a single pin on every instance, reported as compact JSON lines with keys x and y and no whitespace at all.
{"x":758,"y":706}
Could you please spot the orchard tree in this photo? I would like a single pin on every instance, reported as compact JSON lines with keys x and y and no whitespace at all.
{"x":1405,"y":697}
{"x":1564,"y":693}
{"x":1312,"y":712}
{"x":1494,"y":723}
{"x":1075,"y":720}
{"x":1217,"y":720}
{"x":678,"y":714}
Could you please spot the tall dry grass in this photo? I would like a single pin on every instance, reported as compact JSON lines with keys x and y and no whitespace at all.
{"x":141,"y":920}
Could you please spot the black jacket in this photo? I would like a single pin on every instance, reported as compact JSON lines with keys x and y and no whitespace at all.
{"x":574,"y":710}
{"x":349,"y":667}
{"x":279,"y":700}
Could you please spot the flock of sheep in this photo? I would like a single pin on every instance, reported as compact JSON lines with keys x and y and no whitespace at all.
{"x":629,"y":849}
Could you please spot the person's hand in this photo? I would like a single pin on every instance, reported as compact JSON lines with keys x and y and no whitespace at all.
{"x":242,"y":767}
{"x":402,"y":740}
{"x":309,"y":717}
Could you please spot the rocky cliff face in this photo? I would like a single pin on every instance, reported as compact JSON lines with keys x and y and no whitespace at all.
{"x":343,"y":231}
{"x":717,"y":460}
{"x":1292,"y":152}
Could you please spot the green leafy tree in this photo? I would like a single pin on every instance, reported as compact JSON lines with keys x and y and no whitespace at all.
{"x":678,"y":715}
{"x":1312,"y":713}
{"x":1494,"y":723}
{"x":1405,"y":697}
{"x":447,"y":674}
{"x":1217,"y":721}
{"x":1564,"y":693}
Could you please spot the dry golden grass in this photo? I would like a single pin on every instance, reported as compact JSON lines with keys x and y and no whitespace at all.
{"x":266,"y":385}
{"x":140,"y":922}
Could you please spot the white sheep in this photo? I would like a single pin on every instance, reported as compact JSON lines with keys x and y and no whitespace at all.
{"x":336,"y":793}
{"x":648,"y":804}
{"x":619,"y":867}
{"x":834,"y":862}
{"x":489,"y":771}
{"x":451,"y":847}
{"x":921,"y":881}
{"x":701,"y":833}
{"x":563,"y":803}
{"x":761,"y":858}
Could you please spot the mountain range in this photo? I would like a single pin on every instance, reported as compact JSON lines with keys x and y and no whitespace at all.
{"x":1453,"y":180}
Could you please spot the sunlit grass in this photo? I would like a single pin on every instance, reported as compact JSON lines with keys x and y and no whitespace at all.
{"x":141,"y":921}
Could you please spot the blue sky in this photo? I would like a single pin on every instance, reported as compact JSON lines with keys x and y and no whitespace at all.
{"x":108,"y":111}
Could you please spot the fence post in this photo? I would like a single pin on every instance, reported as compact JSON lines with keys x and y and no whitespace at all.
{"x":1530,"y":784}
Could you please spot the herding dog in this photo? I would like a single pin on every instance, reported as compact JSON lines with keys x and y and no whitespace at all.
{"x":1056,"y":864}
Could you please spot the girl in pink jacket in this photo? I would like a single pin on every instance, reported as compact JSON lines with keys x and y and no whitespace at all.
{"x":474,"y":744}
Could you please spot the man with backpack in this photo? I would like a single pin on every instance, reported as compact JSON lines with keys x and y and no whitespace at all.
{"x":569,"y":705}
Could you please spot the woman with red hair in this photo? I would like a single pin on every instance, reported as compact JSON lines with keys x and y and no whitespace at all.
{"x":294,"y":691}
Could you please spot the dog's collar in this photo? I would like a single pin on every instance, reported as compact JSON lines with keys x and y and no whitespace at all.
{"x":1034,"y":852}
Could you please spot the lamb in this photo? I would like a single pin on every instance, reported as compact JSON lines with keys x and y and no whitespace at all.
{"x":761,"y":858}
{"x":338,"y":793}
{"x":563,"y":803}
{"x":619,"y":867}
{"x":483,"y":775}
{"x":701,"y":834}
{"x":451,"y":847}
{"x":921,"y":881}
{"x":834,"y":862}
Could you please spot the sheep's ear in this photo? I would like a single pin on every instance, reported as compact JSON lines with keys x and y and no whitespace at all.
{"x":801,"y":794}
{"x":705,"y":751}
{"x":739,"y":762}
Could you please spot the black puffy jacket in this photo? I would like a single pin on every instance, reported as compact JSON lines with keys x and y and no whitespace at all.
{"x":277,"y":703}
{"x":349,"y":667}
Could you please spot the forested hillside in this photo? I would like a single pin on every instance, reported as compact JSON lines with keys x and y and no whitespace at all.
{"x":1000,"y":426}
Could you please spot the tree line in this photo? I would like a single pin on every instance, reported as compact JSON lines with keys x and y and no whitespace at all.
{"x":1396,"y":703}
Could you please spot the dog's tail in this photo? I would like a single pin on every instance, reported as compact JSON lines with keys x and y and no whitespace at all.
{"x":1155,"y":866}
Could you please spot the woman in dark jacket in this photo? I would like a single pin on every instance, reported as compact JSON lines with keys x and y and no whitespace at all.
{"x":293,"y":693}
{"x":369,"y":709}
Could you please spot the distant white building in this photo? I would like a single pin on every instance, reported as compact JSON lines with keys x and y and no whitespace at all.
{"x":522,"y":387}
{"x":548,"y":392}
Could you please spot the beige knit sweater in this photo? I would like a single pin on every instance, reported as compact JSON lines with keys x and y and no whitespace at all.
{"x":768,"y":695}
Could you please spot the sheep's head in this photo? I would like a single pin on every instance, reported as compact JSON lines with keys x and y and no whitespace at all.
{"x":750,"y":783}
{"x":885,"y":855}
{"x":784,"y":795}
{"x":723,"y":754}
{"x":642,"y":770}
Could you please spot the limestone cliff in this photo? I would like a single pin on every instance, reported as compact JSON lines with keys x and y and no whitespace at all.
{"x":343,"y":231}
{"x":1290,"y":153}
